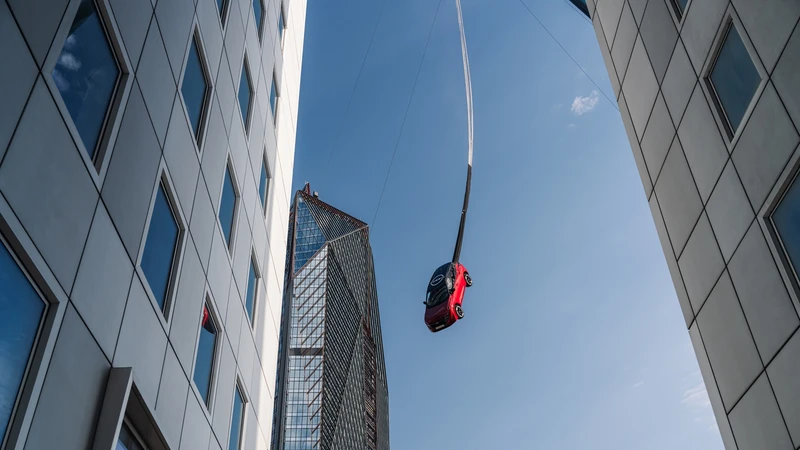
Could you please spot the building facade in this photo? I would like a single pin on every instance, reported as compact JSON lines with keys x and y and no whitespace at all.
{"x":332,"y":392}
{"x":146,"y":153}
{"x":708,"y":91}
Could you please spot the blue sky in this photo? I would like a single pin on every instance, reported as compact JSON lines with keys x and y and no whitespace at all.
{"x":573,"y":337}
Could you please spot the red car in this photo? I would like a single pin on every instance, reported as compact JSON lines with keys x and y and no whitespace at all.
{"x":445,"y":295}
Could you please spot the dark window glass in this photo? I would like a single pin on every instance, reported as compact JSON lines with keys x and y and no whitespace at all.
{"x":227,"y":207}
{"x":281,"y":26}
{"x":127,"y":441}
{"x":258,"y":10}
{"x":159,"y":250}
{"x":787,"y":222}
{"x":86,"y":74}
{"x":221,"y":8}
{"x":273,"y":98}
{"x":194,"y":88}
{"x":236,"y":420}
{"x":250,"y":301}
{"x":263,"y":186}
{"x":206,"y":350}
{"x":244,"y":96}
{"x":21,"y":311}
{"x":735,"y":78}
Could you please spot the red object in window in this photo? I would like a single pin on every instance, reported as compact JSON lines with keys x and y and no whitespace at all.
{"x":207,"y":324}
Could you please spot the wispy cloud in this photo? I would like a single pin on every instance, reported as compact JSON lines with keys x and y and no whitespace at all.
{"x":696,"y":397}
{"x":583,"y":105}
{"x":572,"y":125}
{"x":68,"y":61}
{"x":639,"y":384}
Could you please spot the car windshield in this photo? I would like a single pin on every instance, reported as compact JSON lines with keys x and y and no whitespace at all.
{"x":436,"y":297}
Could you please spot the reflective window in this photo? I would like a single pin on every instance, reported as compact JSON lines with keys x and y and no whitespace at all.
{"x":86,"y":74}
{"x":273,"y":98}
{"x":258,"y":13}
{"x":244,"y":96}
{"x":127,"y":439}
{"x":236,"y":420}
{"x":252,"y":283}
{"x":734,"y":78}
{"x":281,"y":25}
{"x":206,"y":352}
{"x":194,"y":89}
{"x":786,"y":219}
{"x":159,"y":249}
{"x":263,"y":185}
{"x":227,"y":207}
{"x":21,"y":311}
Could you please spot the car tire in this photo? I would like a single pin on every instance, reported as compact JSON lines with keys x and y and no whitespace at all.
{"x":459,"y":311}
{"x":468,"y":279}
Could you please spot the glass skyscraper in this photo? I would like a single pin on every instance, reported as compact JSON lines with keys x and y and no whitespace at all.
{"x":331,"y":383}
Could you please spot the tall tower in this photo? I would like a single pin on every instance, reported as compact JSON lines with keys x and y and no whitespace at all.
{"x":331,"y":390}
{"x":708,"y":91}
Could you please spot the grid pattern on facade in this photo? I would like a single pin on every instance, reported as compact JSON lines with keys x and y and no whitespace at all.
{"x":333,"y":284}
{"x":82,"y":164}
{"x":711,"y":190}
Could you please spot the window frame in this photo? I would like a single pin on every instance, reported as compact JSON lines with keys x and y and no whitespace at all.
{"x":730,"y":136}
{"x":237,"y":195}
{"x":274,"y":86}
{"x":789,"y":274}
{"x":124,"y":405}
{"x":282,"y":31}
{"x":260,"y":26}
{"x":164,"y":179}
{"x":223,"y":13}
{"x":208,"y":405}
{"x":238,"y":385}
{"x":678,"y":14}
{"x":23,"y":251}
{"x":96,"y":165}
{"x":246,"y":121}
{"x":199,"y":136}
{"x":268,"y":184}
{"x":254,"y":264}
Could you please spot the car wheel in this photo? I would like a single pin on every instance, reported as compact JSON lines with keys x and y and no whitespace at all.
{"x":459,"y":312}
{"x":468,"y":279}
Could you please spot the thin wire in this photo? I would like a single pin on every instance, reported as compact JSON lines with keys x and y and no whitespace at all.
{"x":405,"y":116}
{"x":613,"y":103}
{"x":355,"y":86}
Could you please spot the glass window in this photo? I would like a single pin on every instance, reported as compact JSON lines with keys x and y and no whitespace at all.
{"x":195,"y":89}
{"x":252,"y":283}
{"x":227,"y":207}
{"x":127,"y":439}
{"x":281,"y":25}
{"x":86,"y":74}
{"x":258,"y":10}
{"x":734,"y":78}
{"x":236,"y":420}
{"x":273,"y":98}
{"x":21,"y":311}
{"x":159,"y":249}
{"x":263,"y":185}
{"x":786,"y":219}
{"x":206,"y":352}
{"x":244,"y":96}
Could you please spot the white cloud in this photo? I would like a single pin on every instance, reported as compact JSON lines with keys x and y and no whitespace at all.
{"x":572,"y":125}
{"x":68,"y":61}
{"x":71,"y":41}
{"x":583,"y":105}
{"x":696,"y":397}
{"x":639,"y":384}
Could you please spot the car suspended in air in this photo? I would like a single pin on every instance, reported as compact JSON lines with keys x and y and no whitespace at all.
{"x":449,"y":282}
